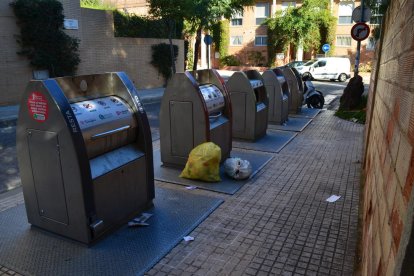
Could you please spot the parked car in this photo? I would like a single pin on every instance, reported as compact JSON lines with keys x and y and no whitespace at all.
{"x":327,"y":68}
{"x":294,"y":64}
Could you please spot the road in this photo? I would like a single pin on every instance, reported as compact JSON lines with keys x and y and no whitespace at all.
{"x":9,"y":174}
{"x":330,"y":90}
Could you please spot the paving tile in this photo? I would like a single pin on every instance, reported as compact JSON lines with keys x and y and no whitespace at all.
{"x":279,"y":222}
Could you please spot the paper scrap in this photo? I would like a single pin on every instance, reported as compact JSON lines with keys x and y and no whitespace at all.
{"x":188,"y":238}
{"x":191,"y":187}
{"x":143,"y":218}
{"x":140,"y":221}
{"x":333,"y":198}
{"x":136,"y":224}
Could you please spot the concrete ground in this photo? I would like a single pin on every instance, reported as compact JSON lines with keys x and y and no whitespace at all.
{"x":279,"y":223}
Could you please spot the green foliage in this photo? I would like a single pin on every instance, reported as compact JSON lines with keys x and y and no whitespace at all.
{"x":42,"y":39}
{"x":189,"y":56}
{"x":230,"y":61}
{"x":221,"y":37}
{"x":97,"y":4}
{"x":255,"y":58}
{"x":310,"y":25}
{"x":327,"y":31}
{"x":130,"y":25}
{"x":358,"y":115}
{"x":161,"y":59}
{"x":365,"y":67}
{"x":198,"y":14}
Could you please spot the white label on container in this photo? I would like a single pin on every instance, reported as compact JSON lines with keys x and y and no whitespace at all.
{"x":100,"y":111}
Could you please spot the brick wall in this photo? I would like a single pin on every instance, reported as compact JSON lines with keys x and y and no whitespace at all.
{"x":100,"y":51}
{"x":14,"y":69}
{"x":389,"y":157}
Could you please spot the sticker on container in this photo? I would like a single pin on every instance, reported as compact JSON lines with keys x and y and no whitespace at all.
{"x":38,"y":106}
{"x":95,"y":112}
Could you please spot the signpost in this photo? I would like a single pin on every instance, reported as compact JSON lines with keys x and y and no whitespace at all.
{"x":326,"y":48}
{"x":357,"y":15}
{"x":360,"y":30}
{"x":208,"y":40}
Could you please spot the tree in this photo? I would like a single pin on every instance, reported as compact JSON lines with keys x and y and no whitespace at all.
{"x":199,"y":14}
{"x":171,"y":11}
{"x":203,"y":14}
{"x":310,"y":26}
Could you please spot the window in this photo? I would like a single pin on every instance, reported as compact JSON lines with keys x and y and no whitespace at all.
{"x":286,"y":5}
{"x":321,"y":63}
{"x":345,"y":12}
{"x":262,"y":12}
{"x":237,"y":19}
{"x":236,"y":40}
{"x":343,"y":40}
{"x":260,"y":40}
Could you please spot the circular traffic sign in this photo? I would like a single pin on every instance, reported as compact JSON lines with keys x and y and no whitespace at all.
{"x":360,"y":31}
{"x":356,"y":14}
{"x":326,"y":48}
{"x":208,"y":39}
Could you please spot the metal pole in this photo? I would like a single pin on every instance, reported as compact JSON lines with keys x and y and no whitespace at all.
{"x":358,"y":53}
{"x":208,"y":57}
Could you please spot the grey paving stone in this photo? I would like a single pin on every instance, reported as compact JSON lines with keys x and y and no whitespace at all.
{"x":279,"y":223}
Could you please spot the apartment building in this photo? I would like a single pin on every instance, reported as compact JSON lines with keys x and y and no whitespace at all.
{"x":248,"y":38}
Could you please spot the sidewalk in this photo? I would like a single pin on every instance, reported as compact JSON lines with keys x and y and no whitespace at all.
{"x":279,"y":223}
{"x":9,"y":113}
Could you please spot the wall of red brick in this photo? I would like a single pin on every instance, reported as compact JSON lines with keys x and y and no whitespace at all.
{"x":389,"y":157}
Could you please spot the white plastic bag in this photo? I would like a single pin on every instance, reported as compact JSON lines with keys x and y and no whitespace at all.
{"x":237,"y":168}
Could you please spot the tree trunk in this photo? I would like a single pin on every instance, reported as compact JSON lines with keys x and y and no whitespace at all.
{"x":171,"y":24}
{"x":197,"y":48}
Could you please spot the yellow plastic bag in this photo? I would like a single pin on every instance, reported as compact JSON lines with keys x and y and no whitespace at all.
{"x":203,"y":163}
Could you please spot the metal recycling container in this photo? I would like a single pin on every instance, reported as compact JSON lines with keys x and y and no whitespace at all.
{"x":295,"y":89}
{"x":250,"y":104}
{"x":85,"y":154}
{"x":278,"y":93}
{"x":195,"y":108}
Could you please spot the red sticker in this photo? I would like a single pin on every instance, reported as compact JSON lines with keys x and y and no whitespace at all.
{"x":37,"y":105}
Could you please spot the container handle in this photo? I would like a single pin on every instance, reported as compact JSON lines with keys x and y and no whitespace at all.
{"x":214,"y":117}
{"x":110,"y":132}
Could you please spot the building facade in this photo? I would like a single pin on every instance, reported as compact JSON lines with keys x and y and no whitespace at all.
{"x":248,"y":38}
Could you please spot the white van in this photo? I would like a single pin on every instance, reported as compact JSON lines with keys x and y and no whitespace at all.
{"x":327,"y":68}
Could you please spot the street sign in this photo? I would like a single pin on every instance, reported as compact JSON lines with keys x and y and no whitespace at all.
{"x":326,"y":48}
{"x":356,"y":14}
{"x":360,"y":31}
{"x":208,"y":39}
